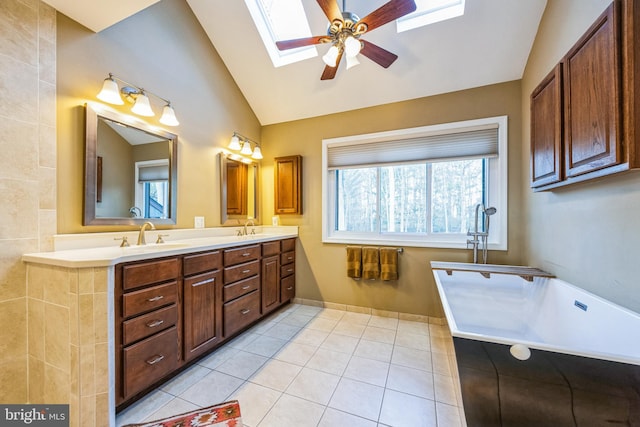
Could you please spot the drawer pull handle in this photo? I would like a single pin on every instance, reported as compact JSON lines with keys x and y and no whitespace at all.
{"x":155,"y":323}
{"x":246,"y":254}
{"x":289,"y":258}
{"x":155,"y":360}
{"x":204,"y":282}
{"x":246,"y":271}
{"x":154,"y":299}
{"x":289,"y":288}
{"x":244,"y":288}
{"x":245,"y":311}
{"x":289,"y":270}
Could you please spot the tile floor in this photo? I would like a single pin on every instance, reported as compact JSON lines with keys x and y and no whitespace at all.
{"x":312,"y":366}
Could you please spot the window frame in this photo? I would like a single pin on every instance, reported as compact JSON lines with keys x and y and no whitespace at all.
{"x":497,"y":190}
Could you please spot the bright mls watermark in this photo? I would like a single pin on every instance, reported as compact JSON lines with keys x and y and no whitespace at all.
{"x":34,"y":415}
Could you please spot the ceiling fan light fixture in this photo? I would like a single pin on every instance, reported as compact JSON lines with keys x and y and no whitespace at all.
{"x":331,"y":57}
{"x":352,"y":61}
{"x":352,"y":46}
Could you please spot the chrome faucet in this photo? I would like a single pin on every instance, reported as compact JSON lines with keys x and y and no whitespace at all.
{"x":482,"y":242}
{"x":253,"y":230}
{"x":146,"y":226}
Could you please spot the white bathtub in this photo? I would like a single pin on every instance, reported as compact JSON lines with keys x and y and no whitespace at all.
{"x":582,"y":353}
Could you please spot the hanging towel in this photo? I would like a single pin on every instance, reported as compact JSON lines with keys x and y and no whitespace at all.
{"x":354,"y":262}
{"x":370,"y":263}
{"x":389,"y":263}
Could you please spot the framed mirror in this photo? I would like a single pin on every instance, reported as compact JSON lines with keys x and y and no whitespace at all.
{"x":131,"y":170}
{"x":238,"y":189}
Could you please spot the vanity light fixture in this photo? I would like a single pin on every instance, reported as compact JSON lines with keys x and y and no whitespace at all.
{"x":243,"y":144}
{"x":111,"y":94}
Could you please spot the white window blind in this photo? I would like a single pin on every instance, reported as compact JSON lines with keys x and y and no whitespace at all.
{"x":153,"y":173}
{"x":467,"y":144}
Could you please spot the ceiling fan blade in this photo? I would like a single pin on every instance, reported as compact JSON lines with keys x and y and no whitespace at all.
{"x":331,"y":9}
{"x":307,"y":41}
{"x":388,"y":12}
{"x":330,"y":72}
{"x":377,"y":54}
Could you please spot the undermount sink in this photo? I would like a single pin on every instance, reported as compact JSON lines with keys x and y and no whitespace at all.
{"x":154,"y":247}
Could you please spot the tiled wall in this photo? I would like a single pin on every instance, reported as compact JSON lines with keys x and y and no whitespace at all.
{"x":27,"y":171}
{"x":69,"y":355}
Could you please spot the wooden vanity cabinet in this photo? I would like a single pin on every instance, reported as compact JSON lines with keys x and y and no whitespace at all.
{"x":287,"y":270}
{"x":270,"y":276}
{"x":241,"y":288}
{"x":147,"y":335}
{"x":584,"y":114}
{"x":288,"y":185}
{"x":202,"y":302}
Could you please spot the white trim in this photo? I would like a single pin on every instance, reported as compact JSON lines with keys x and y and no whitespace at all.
{"x":498,"y":185}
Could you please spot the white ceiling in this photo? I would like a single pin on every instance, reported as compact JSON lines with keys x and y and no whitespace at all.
{"x":489,"y":44}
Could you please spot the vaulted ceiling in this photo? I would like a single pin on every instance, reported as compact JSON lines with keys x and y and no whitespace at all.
{"x":489,"y":44}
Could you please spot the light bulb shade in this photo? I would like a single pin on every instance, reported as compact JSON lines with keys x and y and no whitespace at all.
{"x":352,"y":61}
{"x":331,"y":57}
{"x":246,"y":148}
{"x":352,"y":46}
{"x":142,"y":106}
{"x":257,"y":153}
{"x":234,"y":144}
{"x":110,"y":92}
{"x":169,"y":116}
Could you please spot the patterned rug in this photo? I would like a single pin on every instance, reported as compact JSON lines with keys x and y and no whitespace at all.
{"x":225,"y":414}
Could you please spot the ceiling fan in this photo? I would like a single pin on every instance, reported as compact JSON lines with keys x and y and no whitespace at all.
{"x":345,"y":30}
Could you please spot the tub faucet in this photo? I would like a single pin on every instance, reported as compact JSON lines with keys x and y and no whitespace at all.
{"x":480,"y":237}
{"x":249,"y":221}
{"x":147,"y":225}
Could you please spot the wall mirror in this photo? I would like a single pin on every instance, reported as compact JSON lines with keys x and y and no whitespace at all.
{"x":130,"y":170}
{"x":238,"y":189}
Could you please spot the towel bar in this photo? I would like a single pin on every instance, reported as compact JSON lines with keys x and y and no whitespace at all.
{"x":400,"y":250}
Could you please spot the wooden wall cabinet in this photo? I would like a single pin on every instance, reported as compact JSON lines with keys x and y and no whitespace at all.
{"x":288,"y":185}
{"x":584,"y":113}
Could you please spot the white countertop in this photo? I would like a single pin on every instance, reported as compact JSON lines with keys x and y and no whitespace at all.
{"x":83,"y":257}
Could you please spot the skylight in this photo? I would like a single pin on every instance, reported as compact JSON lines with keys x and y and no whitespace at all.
{"x":429,"y":12}
{"x":286,"y":20}
{"x":281,"y":20}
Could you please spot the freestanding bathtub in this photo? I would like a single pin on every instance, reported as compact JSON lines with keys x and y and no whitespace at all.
{"x":533,"y":350}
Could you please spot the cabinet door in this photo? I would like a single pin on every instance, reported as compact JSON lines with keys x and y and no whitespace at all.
{"x":270,"y":283}
{"x":592,"y":97}
{"x":546,"y":130}
{"x":202,"y":313}
{"x":288,"y":185}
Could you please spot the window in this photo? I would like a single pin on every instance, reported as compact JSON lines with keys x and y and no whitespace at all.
{"x":429,"y":12}
{"x":152,"y":189}
{"x":417,"y":187}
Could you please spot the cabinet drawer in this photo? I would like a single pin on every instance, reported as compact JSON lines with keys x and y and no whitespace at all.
{"x":242,"y":271}
{"x":206,"y":261}
{"x":241,"y":312}
{"x":287,"y":270}
{"x":287,"y":288}
{"x":240,"y":288}
{"x":270,"y":248}
{"x":148,"y":361}
{"x":287,"y":245}
{"x":136,"y":275}
{"x":148,"y":324}
{"x":240,"y":255}
{"x":287,"y":257}
{"x":148,"y":299}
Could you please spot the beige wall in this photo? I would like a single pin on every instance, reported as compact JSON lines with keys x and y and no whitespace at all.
{"x":587,"y":234}
{"x":164,"y":50}
{"x":320,"y":268}
{"x":27,"y":171}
